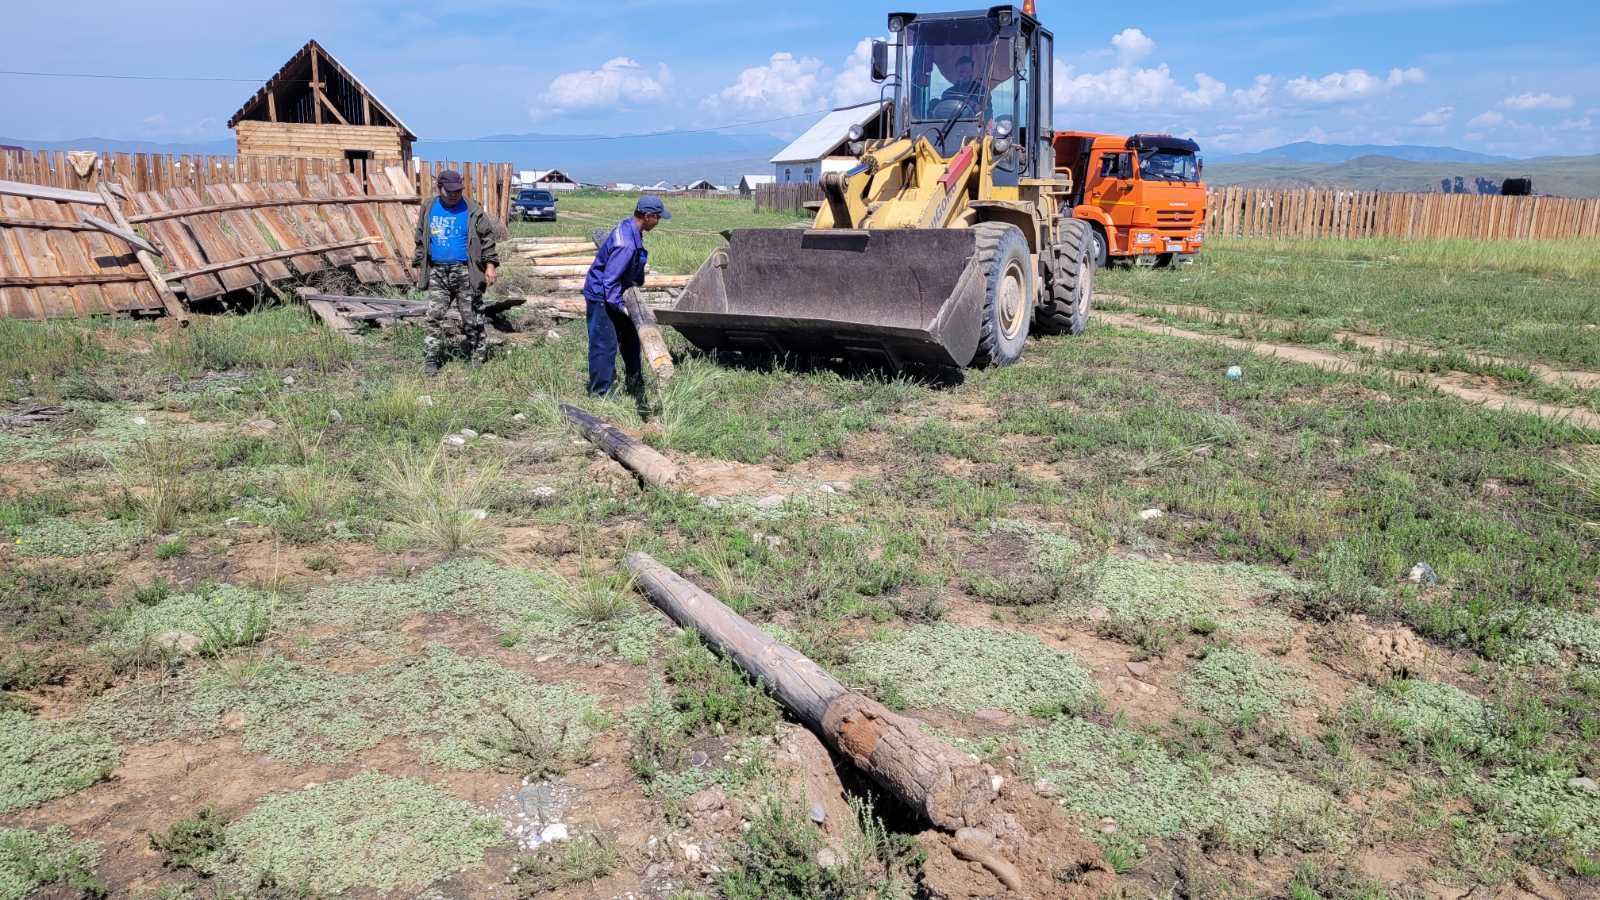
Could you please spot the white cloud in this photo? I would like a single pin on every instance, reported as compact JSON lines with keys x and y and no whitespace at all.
{"x":1130,"y":87}
{"x":1132,"y":45}
{"x":1486,"y":120}
{"x":1255,"y":96}
{"x":620,"y":83}
{"x":1354,"y":84}
{"x":1537,"y":101}
{"x":1435,"y":118}
{"x":854,"y":83}
{"x":787,"y":85}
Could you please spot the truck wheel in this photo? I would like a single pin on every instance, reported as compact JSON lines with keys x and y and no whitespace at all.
{"x":1007,"y":271}
{"x":1066,"y":307}
{"x":1100,"y":253}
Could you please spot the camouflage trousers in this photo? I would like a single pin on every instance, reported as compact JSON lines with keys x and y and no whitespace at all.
{"x":453,"y":321}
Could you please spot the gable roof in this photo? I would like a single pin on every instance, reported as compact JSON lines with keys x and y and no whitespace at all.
{"x":833,"y":129}
{"x":755,"y":180}
{"x":296,"y":73}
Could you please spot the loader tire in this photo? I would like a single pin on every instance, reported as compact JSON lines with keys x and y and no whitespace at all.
{"x":1071,"y":290}
{"x":1007,"y":269}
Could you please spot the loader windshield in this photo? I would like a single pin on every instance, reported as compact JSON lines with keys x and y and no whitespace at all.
{"x":959,"y":69}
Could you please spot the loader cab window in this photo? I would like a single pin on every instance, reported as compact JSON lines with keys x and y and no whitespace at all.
{"x":955,"y":67}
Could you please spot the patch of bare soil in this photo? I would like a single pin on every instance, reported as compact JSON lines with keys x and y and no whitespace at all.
{"x":1028,"y":848}
{"x":1333,"y":362}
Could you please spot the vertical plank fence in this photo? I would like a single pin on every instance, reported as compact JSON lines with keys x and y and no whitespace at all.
{"x":1263,"y":212}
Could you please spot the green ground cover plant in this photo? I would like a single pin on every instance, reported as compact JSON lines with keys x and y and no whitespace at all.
{"x":32,"y":860}
{"x":967,"y":669}
{"x":41,"y":760}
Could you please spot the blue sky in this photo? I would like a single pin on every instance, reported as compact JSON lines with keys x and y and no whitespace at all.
{"x":1499,"y":77}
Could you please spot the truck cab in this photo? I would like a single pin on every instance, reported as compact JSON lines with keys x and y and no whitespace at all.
{"x":1142,"y":194}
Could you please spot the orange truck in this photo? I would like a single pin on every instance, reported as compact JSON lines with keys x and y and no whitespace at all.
{"x":1142,"y":195}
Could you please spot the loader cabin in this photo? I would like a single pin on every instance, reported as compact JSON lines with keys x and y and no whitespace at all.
{"x":1142,"y":194}
{"x":314,"y":107}
{"x":962,"y":76}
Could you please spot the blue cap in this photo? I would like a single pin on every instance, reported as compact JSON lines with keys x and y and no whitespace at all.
{"x":651,"y":204}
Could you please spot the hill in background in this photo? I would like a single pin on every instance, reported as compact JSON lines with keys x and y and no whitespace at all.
{"x":1306,"y":152}
{"x":1564,"y":176}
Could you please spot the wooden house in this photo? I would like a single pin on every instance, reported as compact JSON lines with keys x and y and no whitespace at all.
{"x":314,"y":107}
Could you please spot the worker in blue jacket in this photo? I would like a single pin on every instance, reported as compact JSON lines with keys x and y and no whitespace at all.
{"x":619,"y":264}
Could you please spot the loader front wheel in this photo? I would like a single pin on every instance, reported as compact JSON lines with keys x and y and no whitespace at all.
{"x":1071,"y":288}
{"x":1007,"y":270}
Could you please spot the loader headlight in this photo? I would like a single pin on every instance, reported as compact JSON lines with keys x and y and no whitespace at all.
{"x":1002,"y":146}
{"x":856,"y":133}
{"x":897,"y":24}
{"x":1002,"y":128}
{"x":858,"y":147}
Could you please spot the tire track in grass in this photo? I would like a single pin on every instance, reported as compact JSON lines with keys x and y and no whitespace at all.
{"x":1334,"y":362}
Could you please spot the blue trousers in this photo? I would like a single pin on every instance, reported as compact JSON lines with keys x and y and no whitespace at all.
{"x":610,"y":330}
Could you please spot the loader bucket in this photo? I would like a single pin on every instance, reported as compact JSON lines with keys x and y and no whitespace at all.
{"x":888,"y":297}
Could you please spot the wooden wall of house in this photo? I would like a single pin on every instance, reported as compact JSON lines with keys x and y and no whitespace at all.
{"x":320,"y":141}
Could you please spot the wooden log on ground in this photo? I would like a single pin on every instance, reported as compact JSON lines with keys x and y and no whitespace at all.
{"x":558,"y":271}
{"x":650,"y":466}
{"x":503,"y":304}
{"x":651,"y":282}
{"x":549,"y":250}
{"x":650,"y":339}
{"x":951,"y":789}
{"x":542,"y":262}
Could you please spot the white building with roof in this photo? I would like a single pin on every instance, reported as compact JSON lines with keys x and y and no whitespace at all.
{"x":549,"y":179}
{"x":825,"y":146}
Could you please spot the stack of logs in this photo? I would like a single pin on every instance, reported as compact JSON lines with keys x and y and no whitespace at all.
{"x":557,"y":266}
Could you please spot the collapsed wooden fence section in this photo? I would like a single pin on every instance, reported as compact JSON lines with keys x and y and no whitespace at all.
{"x":1252,"y":212}
{"x":488,"y":183}
{"x":60,"y":258}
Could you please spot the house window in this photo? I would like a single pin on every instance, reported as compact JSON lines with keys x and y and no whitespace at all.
{"x":808,"y":174}
{"x":788,"y":175}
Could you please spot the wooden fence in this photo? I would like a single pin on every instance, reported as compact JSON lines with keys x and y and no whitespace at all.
{"x":1250,"y":212}
{"x":786,"y":198}
{"x":1246,"y":212}
{"x":488,"y":183}
{"x":59,"y":256}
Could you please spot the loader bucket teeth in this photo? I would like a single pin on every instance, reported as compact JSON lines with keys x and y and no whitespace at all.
{"x":894,"y":297}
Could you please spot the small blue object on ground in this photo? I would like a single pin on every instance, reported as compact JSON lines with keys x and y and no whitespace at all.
{"x":1235,"y":373}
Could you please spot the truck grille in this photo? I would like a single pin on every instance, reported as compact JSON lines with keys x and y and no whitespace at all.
{"x":1176,"y":221}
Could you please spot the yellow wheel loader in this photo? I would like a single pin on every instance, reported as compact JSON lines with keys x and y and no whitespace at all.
{"x":943,"y":241}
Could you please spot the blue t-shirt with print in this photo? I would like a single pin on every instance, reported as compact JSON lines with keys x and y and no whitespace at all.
{"x":447,"y":233}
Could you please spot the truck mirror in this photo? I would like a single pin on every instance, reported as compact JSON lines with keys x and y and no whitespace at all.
{"x":880,"y":61}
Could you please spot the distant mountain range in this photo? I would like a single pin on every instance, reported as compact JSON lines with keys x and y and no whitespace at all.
{"x":722,"y":158}
{"x":1331,"y":154}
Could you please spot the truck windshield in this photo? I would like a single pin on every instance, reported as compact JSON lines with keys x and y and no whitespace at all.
{"x":1168,"y":165}
{"x":958,"y":67}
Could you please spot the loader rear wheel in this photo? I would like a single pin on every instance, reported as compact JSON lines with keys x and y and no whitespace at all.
{"x":1007,"y":270}
{"x":1071,"y":288}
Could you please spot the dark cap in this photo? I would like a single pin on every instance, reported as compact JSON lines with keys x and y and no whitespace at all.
{"x":650,"y":204}
{"x":450,"y":180}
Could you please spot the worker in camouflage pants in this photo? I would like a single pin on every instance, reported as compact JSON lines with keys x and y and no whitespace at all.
{"x":455,"y":260}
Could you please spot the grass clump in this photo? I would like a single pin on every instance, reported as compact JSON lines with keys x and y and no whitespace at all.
{"x":221,"y":616}
{"x":966,"y":669}
{"x":709,"y":692}
{"x":1238,"y":688}
{"x":192,"y":842}
{"x":438,"y":501}
{"x":68,"y":538}
{"x":777,"y":857}
{"x":370,"y":831}
{"x":41,"y":761}
{"x":31,"y":860}
{"x":1101,"y":771}
{"x":1134,"y":590}
{"x":582,"y":860}
{"x":1549,"y":811}
{"x":1426,"y":715}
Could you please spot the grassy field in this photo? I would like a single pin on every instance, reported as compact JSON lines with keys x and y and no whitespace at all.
{"x":265,"y":632}
{"x":678,"y":246}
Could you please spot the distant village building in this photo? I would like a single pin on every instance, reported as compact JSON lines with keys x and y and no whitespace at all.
{"x":314,"y":107}
{"x":825,"y":146}
{"x":749,"y":183}
{"x":704,"y":184}
{"x":549,"y":179}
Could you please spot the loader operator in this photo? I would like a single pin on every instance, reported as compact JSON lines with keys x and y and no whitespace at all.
{"x":619,"y":264}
